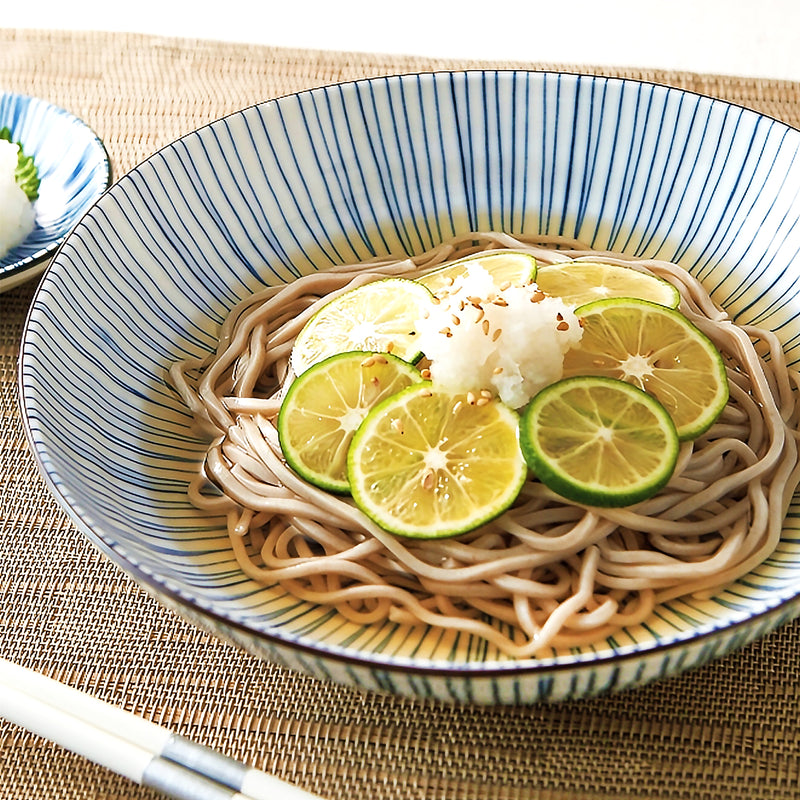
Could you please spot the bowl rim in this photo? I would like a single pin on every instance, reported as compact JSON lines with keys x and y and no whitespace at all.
{"x":189,"y":608}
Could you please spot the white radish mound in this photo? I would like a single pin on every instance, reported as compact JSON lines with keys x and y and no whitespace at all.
{"x":508,"y":341}
{"x":16,"y":211}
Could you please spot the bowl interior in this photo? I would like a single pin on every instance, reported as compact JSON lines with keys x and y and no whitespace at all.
{"x":337,"y":175}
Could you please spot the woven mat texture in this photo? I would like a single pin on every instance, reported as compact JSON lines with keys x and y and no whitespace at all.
{"x":728,"y":730}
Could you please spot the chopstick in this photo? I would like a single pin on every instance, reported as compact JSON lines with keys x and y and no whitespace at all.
{"x":129,"y":745}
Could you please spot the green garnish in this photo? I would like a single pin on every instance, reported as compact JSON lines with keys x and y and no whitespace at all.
{"x":26,"y":174}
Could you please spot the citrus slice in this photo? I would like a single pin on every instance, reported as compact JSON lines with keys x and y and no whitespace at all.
{"x":505,"y":267}
{"x":657,"y":349}
{"x":580,"y":282}
{"x":599,"y":441}
{"x":376,"y":316}
{"x":430,"y":464}
{"x":324,"y":406}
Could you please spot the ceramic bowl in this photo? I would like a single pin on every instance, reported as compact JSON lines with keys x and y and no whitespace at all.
{"x":74,"y":171}
{"x":339,"y":174}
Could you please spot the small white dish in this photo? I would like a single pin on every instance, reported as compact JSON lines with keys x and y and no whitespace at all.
{"x":74,"y":171}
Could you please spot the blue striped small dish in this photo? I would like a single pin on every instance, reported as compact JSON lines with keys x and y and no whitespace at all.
{"x":74,"y":171}
{"x":342,"y":173}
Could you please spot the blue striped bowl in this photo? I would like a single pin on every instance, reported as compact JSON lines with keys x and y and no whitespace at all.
{"x":341,"y":173}
{"x":74,"y":171}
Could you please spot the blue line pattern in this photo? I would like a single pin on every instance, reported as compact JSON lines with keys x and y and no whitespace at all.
{"x":340,"y":174}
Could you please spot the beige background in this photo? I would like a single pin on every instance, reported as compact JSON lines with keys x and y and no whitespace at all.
{"x":758,"y":38}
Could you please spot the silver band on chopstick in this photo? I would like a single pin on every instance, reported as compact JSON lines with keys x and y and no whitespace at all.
{"x":204,"y":760}
{"x":225,"y":770}
{"x":174,"y":780}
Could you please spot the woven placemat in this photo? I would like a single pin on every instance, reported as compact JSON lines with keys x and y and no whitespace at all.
{"x":728,"y":730}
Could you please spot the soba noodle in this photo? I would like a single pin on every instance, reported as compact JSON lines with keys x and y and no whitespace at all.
{"x":547,"y":573}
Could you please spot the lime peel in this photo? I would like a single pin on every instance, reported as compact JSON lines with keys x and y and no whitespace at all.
{"x":324,"y":406}
{"x":580,"y":282}
{"x":599,"y":441}
{"x":431,"y":464}
{"x":377,"y":316}
{"x":659,"y":350}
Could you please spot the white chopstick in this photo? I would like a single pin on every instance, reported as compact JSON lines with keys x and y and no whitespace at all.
{"x":129,"y":745}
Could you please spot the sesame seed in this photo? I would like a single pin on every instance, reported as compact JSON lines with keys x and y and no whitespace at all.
{"x":496,"y":334}
{"x":562,"y":326}
{"x":481,"y":312}
{"x":471,"y":398}
{"x":505,"y":285}
{"x":426,"y":393}
{"x":537,"y":296}
{"x":379,"y":359}
{"x":485,"y":326}
{"x":483,"y":401}
{"x":368,"y":361}
{"x":499,"y":301}
{"x":455,"y":319}
{"x":458,"y":406}
{"x":486,"y":393}
{"x":497,"y":370}
{"x":390,"y":347}
{"x":559,"y":316}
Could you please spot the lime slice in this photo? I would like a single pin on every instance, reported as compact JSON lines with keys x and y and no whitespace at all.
{"x":324,"y":406}
{"x":377,"y":316}
{"x":599,"y":441}
{"x":657,"y":349}
{"x":429,"y":464}
{"x":505,"y":267}
{"x":580,"y":282}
